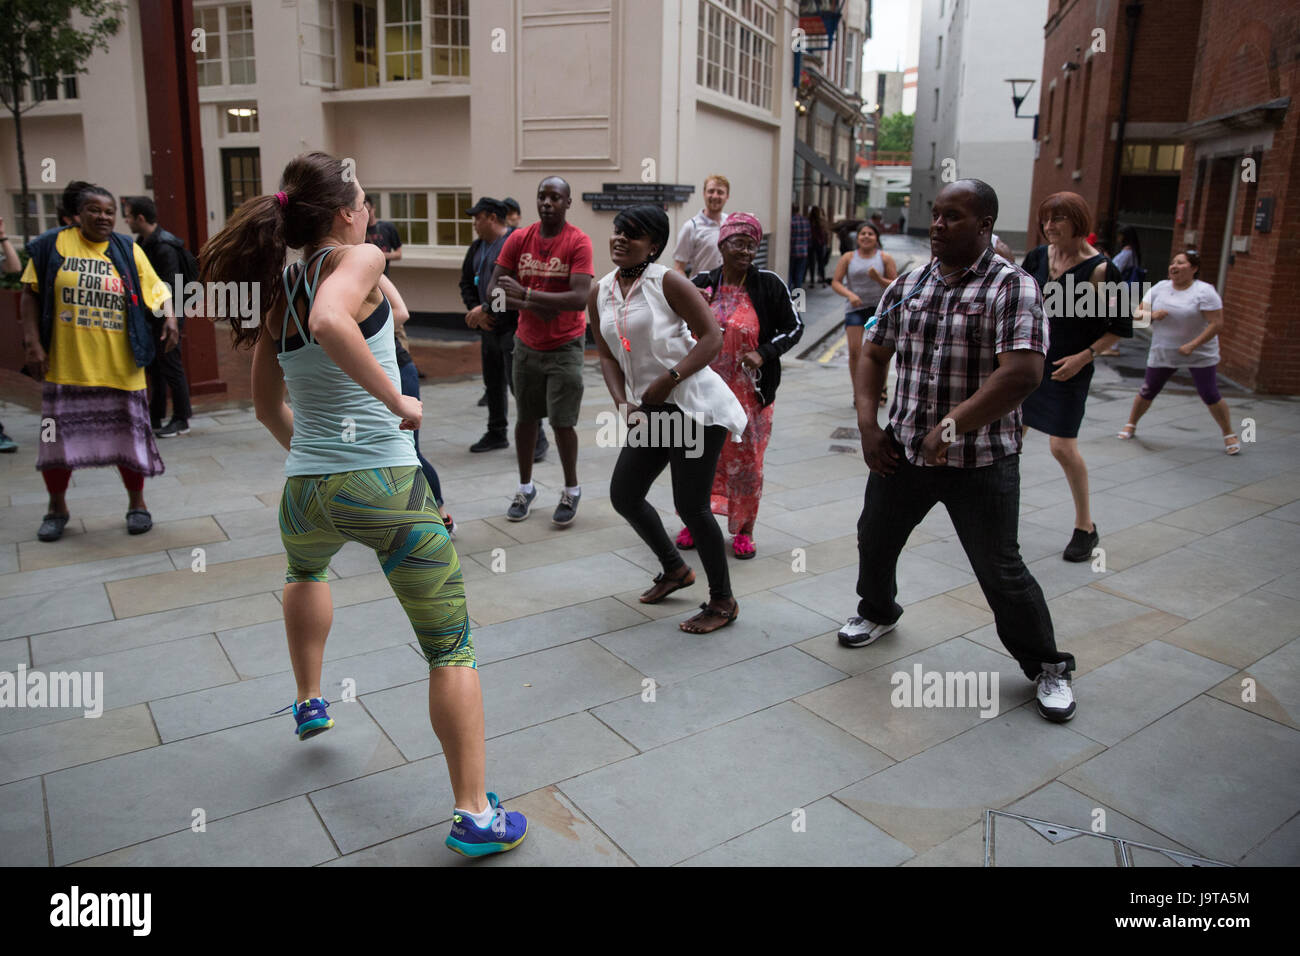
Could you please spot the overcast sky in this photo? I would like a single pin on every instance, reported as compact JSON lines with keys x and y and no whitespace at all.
{"x":885,"y":49}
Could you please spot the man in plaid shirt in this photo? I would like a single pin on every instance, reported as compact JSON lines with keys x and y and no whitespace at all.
{"x":970,"y":337}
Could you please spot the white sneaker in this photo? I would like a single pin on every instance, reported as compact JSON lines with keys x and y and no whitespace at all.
{"x":1055,"y":698}
{"x":859,"y":632}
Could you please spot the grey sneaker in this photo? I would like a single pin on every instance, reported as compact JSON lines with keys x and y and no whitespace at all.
{"x":859,"y":632}
{"x":519,"y":507}
{"x":567,"y":509}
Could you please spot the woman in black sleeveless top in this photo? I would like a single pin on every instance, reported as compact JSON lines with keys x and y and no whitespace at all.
{"x":1084,"y":319}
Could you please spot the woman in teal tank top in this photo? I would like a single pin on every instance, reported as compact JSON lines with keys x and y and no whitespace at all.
{"x":352,"y":474}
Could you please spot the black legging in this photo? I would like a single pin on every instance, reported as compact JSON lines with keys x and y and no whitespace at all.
{"x":634,"y":473}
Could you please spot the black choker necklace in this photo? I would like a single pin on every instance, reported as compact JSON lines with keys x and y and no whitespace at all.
{"x":632,"y":272}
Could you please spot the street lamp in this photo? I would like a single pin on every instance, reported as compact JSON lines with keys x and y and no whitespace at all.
{"x":1018,"y":98}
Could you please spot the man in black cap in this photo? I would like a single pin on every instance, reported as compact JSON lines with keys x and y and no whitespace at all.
{"x":496,"y":329}
{"x":513,"y":212}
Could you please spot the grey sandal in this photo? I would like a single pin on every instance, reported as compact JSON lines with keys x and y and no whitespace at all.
{"x":51,"y":528}
{"x":138,"y":521}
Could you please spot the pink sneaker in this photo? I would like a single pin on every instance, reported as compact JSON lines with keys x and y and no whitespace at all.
{"x":684,"y":539}
{"x":742,"y":546}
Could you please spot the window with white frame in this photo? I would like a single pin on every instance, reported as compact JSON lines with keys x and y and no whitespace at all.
{"x":227,"y":57}
{"x":316,"y":28}
{"x":44,"y":87}
{"x":852,"y":72}
{"x":736,"y":49}
{"x":403,"y":46}
{"x":449,"y":38}
{"x":42,"y":213}
{"x":429,"y":217}
{"x":822,"y":138}
{"x":241,"y":117}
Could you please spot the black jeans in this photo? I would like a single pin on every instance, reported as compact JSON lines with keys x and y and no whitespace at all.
{"x":167,"y":372}
{"x":634,"y":473}
{"x":984,"y":504}
{"x":410,"y":376}
{"x":497,"y":350}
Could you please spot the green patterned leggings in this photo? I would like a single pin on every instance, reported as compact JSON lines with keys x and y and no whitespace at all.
{"x":392,"y":511}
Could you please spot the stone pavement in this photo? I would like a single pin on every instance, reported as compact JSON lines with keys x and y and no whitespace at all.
{"x":1200,"y":592}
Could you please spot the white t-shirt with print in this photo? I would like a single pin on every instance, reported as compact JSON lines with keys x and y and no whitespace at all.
{"x":1183,"y":323}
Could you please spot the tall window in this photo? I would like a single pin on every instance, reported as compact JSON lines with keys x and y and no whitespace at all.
{"x":449,"y":37}
{"x":227,"y":56}
{"x":736,"y":49}
{"x":453,"y":227}
{"x":241,"y":176}
{"x":1083,"y":114}
{"x":316,"y":25}
{"x":1065,"y":113}
{"x":851,"y":70}
{"x":403,"y":47}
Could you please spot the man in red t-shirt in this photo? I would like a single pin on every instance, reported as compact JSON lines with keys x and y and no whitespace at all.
{"x":545,"y":271}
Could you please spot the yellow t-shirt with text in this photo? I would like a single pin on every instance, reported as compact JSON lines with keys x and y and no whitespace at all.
{"x":89,"y":344}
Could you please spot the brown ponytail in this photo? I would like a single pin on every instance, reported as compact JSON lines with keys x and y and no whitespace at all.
{"x":253,"y":245}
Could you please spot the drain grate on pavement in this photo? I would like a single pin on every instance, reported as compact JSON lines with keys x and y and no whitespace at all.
{"x":852,"y":433}
{"x":1057,"y":834}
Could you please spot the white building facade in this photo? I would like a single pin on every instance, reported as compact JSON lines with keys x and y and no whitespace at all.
{"x":440,"y":101}
{"x":965,"y":121}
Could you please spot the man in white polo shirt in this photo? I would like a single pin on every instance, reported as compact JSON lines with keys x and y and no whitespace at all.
{"x":697,"y":243}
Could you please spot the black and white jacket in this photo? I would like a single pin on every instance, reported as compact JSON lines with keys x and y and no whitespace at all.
{"x":779,"y":324}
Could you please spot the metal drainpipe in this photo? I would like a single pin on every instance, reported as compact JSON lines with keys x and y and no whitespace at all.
{"x":1132,"y":13}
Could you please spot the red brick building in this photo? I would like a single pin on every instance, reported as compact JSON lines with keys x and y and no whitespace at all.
{"x":1240,"y":189}
{"x":1148,"y":109}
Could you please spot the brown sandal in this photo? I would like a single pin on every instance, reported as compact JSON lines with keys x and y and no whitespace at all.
{"x":706,"y":614}
{"x":664,"y":586}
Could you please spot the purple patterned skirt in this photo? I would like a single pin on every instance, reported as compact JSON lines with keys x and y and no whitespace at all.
{"x":84,"y":427}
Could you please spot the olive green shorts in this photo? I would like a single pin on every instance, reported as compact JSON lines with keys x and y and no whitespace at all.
{"x":549,"y":384}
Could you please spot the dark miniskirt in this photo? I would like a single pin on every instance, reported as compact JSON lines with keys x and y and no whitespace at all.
{"x":1056,"y":408}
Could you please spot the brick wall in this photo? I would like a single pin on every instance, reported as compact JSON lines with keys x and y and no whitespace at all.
{"x":1160,"y":89}
{"x":1247,"y":56}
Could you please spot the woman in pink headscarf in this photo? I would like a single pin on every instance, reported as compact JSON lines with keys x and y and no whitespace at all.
{"x":759,"y":322}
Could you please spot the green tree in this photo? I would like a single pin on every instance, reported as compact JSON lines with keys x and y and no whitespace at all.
{"x":38,"y":39}
{"x":895,"y":134}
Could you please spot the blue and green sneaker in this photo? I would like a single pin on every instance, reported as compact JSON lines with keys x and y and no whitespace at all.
{"x":311,"y":717}
{"x":505,"y":832}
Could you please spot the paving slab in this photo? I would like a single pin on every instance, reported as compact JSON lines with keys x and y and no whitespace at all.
{"x":261,"y":649}
{"x":877,"y":707}
{"x":558,"y":835}
{"x":1269,"y":687}
{"x":1209,"y":775}
{"x":1243,"y":630}
{"x":519,"y":692}
{"x":22,"y":824}
{"x":132,"y":677}
{"x":1132,"y":691}
{"x":639,"y":800}
{"x":153,"y":629}
{"x":996,"y":762}
{"x":257,"y":699}
{"x":662,"y":651}
{"x":281,"y":834}
{"x":70,"y":606}
{"x":416,"y":795}
{"x":686,"y":707}
{"x":1175,"y":582}
{"x":126,"y":800}
{"x":79,"y":740}
{"x":828,"y":834}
